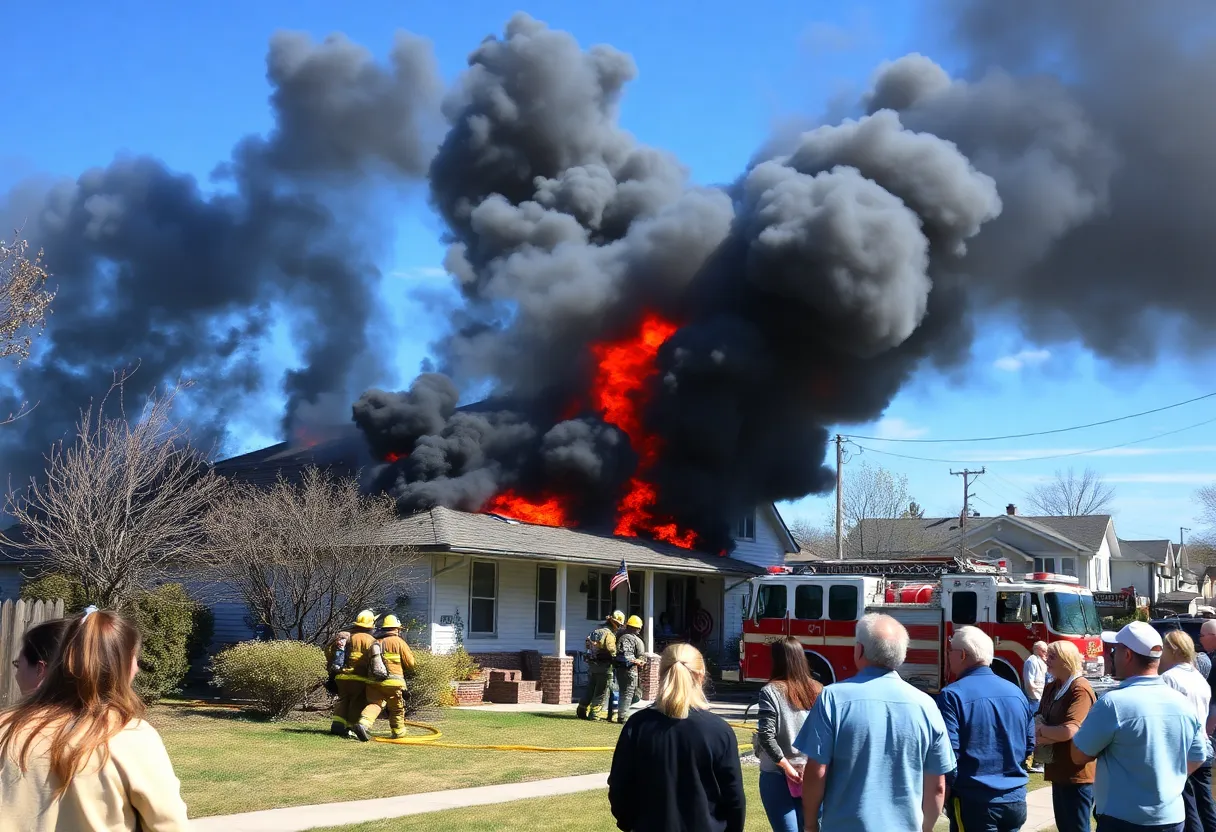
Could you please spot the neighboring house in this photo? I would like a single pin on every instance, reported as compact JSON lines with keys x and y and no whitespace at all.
{"x":1148,"y":565}
{"x":1079,"y":546}
{"x":1207,"y":583}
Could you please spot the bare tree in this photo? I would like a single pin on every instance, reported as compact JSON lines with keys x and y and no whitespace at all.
{"x":121,"y":504}
{"x":24,"y":300}
{"x":874,"y":498}
{"x":1070,"y":495}
{"x":306,"y":557}
{"x":817,"y":540}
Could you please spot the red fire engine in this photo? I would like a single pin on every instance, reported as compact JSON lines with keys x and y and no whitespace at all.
{"x":820,"y":604}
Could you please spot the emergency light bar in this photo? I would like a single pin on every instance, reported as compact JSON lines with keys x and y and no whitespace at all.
{"x":1051,"y":577}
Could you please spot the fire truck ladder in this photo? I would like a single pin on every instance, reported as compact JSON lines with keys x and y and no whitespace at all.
{"x":928,"y":567}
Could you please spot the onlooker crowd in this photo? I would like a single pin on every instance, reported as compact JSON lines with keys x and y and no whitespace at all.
{"x":1067,"y":700}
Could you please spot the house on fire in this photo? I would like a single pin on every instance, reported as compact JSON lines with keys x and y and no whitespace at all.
{"x":1085,"y":547}
{"x":505,"y":587}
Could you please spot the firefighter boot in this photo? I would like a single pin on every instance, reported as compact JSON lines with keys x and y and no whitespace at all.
{"x":593,"y":713}
{"x":338,"y":728}
{"x":361,"y":732}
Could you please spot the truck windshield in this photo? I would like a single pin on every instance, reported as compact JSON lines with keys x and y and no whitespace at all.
{"x":1072,"y":614}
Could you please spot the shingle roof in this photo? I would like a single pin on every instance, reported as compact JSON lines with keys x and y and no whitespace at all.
{"x":1153,"y":550}
{"x":1179,"y":597}
{"x":912,"y":536}
{"x":343,"y":453}
{"x":447,"y":530}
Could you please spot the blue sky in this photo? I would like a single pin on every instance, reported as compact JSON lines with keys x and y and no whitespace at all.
{"x":716,"y":79}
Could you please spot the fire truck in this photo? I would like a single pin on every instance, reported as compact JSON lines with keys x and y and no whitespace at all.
{"x":820,"y":604}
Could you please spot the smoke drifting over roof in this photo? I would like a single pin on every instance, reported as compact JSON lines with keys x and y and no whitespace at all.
{"x":1070,"y":192}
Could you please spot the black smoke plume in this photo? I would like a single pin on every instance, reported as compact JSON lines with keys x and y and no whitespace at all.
{"x":154,"y":272}
{"x":1064,"y":178}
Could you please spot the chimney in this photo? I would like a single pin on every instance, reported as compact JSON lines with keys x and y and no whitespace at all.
{"x":1011,"y":509}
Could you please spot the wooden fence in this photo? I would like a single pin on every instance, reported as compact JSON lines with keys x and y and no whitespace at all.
{"x":15,"y":618}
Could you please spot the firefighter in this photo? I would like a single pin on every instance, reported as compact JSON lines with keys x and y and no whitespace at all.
{"x":353,"y":679}
{"x":389,"y":695}
{"x":335,"y":659}
{"x":601,"y":649}
{"x":629,"y":652}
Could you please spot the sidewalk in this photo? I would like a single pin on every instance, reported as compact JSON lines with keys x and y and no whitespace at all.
{"x":298,"y":818}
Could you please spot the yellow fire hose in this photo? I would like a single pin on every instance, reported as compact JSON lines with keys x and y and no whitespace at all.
{"x":430,"y":739}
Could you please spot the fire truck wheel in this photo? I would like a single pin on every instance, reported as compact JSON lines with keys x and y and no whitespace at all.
{"x":820,"y":670}
{"x":1002,"y":668}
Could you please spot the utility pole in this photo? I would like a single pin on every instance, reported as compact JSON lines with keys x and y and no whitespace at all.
{"x":966,"y":474}
{"x":839,"y":497}
{"x":1182,"y":530}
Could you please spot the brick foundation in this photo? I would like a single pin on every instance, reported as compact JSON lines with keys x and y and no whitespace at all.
{"x":507,"y":688}
{"x":557,"y":680}
{"x":649,"y":677}
{"x":470,"y":693}
{"x":499,"y":661}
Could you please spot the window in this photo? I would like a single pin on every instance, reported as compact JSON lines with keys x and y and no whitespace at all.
{"x":637,"y":581}
{"x":964,"y":608}
{"x":546,"y":601}
{"x":1068,"y":566}
{"x":483,"y":598}
{"x":1044,"y":564}
{"x":771,"y":602}
{"x":842,"y":603}
{"x":599,"y":597}
{"x":745,"y":529}
{"x":1013,"y":607}
{"x":808,"y":602}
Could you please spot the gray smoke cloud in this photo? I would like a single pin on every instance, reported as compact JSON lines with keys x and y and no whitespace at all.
{"x":155,"y":272}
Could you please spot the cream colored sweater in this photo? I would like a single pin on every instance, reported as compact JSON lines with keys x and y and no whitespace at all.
{"x":135,"y":790}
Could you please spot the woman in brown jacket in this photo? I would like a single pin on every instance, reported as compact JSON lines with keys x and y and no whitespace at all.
{"x":1065,"y":704}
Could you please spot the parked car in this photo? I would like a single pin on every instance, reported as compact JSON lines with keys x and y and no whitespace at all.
{"x":1190,"y":624}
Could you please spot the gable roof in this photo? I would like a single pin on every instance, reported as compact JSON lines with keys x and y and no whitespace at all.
{"x":1155,"y":551}
{"x":910,"y":536}
{"x":445,"y":530}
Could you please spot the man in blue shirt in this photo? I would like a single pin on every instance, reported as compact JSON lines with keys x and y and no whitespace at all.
{"x":991,"y":729}
{"x":876,"y":746}
{"x":1146,"y":739}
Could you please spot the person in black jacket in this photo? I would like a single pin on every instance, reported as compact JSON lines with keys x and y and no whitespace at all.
{"x":676,"y":765}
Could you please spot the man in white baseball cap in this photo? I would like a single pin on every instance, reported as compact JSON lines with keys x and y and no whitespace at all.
{"x":1145,"y":737}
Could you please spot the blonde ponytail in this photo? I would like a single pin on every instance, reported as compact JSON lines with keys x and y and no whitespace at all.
{"x":682,"y":669}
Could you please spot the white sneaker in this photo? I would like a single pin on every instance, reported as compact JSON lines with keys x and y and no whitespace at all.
{"x":1036,"y":769}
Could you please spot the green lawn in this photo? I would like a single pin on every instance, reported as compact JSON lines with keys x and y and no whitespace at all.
{"x":581,"y":812}
{"x":229,"y":764}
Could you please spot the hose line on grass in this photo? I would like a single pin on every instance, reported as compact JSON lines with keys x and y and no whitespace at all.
{"x":431,"y":739}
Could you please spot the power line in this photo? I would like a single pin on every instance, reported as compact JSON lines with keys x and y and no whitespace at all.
{"x":1038,"y":458}
{"x":1035,"y":433}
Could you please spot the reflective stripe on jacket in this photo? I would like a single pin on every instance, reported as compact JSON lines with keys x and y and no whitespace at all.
{"x":398,"y":659}
{"x":358,"y":658}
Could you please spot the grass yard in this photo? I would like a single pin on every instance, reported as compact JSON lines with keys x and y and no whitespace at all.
{"x":582,"y":812}
{"x":228,"y":763}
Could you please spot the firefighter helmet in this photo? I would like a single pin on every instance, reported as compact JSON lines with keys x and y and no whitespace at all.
{"x":367,"y":619}
{"x":390,"y":622}
{"x":634,"y":621}
{"x":618,"y":617}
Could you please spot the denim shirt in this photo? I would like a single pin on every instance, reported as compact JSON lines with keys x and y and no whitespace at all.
{"x":991,"y":728}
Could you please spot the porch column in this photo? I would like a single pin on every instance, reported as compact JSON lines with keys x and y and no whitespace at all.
{"x":561,"y":610}
{"x":649,"y":610}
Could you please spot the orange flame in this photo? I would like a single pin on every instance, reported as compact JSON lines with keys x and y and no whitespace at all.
{"x":392,"y":456}
{"x":550,"y":511}
{"x":620,"y":391}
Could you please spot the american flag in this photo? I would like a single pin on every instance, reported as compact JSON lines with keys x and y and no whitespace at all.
{"x":621,"y":577}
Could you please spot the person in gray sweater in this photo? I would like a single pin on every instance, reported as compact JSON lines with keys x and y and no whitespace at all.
{"x":783,"y":707}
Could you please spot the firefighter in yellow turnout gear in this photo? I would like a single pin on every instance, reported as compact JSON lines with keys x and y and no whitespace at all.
{"x":601,"y":651}
{"x":389,"y":695}
{"x":630,"y":650}
{"x":353,"y":679}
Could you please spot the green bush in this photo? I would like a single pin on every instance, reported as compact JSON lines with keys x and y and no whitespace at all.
{"x":200,"y":637}
{"x":276,"y":676}
{"x":464,"y":669}
{"x":165,"y":617}
{"x":429,"y":685}
{"x":52,"y":587}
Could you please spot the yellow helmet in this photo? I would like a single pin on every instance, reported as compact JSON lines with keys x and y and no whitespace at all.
{"x":634,"y":621}
{"x":367,"y":619}
{"x":390,"y":622}
{"x":618,"y":617}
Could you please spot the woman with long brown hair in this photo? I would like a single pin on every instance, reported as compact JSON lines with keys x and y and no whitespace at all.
{"x":76,"y":755}
{"x":784,"y":704}
{"x":38,"y":648}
